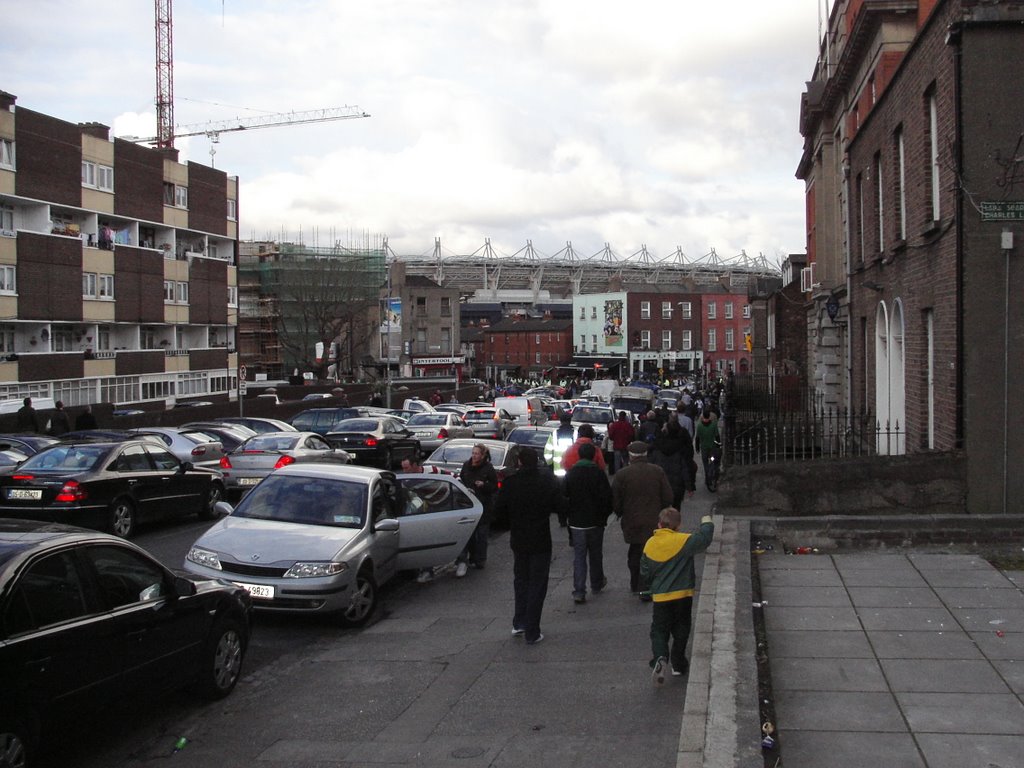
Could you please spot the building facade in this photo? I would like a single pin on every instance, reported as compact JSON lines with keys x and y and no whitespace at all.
{"x":526,"y":347}
{"x":153,"y":244}
{"x":419,"y":326}
{"x":934,"y":212}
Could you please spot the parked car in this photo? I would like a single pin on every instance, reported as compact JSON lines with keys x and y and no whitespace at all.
{"x":200,"y":448}
{"x":321,"y":420}
{"x":317,"y":396}
{"x":259,"y":424}
{"x":109,"y":486}
{"x":314,"y":538}
{"x":452,"y":455}
{"x":230,"y":435}
{"x":597,"y":416}
{"x":493,"y":423}
{"x":28,"y":445}
{"x":193,"y":404}
{"x":382,"y":442}
{"x":89,"y":619}
{"x":541,"y":439}
{"x":417,"y":405}
{"x":432,"y":429}
{"x":525,"y":410}
{"x":458,"y":408}
{"x":262,"y":454}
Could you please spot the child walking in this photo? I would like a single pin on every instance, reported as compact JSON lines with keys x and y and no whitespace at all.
{"x":666,"y":568}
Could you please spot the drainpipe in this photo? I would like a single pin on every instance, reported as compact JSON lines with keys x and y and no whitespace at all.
{"x":954,"y":39}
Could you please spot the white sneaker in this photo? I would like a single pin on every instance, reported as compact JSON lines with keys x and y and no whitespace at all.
{"x":425,"y":576}
{"x":461,"y":570}
{"x":658,"y":675}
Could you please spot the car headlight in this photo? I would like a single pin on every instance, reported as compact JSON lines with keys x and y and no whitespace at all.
{"x":315,"y":570}
{"x":203,"y":557}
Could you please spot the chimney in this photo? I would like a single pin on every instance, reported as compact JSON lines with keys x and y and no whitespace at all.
{"x":7,"y":100}
{"x":98,"y":130}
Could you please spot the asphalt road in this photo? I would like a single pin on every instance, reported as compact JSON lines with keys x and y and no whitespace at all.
{"x":435,"y":680}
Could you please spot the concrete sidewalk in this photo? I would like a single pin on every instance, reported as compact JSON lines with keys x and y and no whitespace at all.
{"x":912,"y":659}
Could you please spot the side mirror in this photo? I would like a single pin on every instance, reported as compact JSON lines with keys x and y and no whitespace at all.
{"x":184,"y":587}
{"x":223,"y":509}
{"x":387,"y":525}
{"x":186,"y":466}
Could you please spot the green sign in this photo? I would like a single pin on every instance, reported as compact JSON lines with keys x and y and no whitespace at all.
{"x":1003,"y":210}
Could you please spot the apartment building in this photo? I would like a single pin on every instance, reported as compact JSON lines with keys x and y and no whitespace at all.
{"x":922,"y":100}
{"x":117,"y":267}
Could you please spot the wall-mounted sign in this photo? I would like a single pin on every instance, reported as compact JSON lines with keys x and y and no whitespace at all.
{"x":438,"y":360}
{"x":1002,"y":210}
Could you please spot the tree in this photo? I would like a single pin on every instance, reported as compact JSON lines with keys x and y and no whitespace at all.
{"x":326,"y":298}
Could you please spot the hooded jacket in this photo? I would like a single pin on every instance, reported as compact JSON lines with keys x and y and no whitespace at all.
{"x":666,"y":567}
{"x":589,"y":494}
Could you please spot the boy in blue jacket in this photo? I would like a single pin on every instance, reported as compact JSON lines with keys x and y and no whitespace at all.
{"x":666,"y":568}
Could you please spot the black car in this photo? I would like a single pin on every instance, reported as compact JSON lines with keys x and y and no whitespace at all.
{"x":26,"y":444}
{"x":88,"y":619}
{"x":380,"y":442}
{"x":108,"y":486}
{"x":322,"y":420}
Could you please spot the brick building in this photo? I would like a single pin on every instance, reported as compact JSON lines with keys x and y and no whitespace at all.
{"x":928,"y":168}
{"x":520,"y":346}
{"x":725,"y":322}
{"x":153,"y":245}
{"x":664,"y":331}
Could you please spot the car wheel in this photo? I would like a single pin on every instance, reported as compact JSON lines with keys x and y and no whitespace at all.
{"x":363,"y":601}
{"x":213,"y":495}
{"x":14,"y":744}
{"x":221,"y":665}
{"x":122,"y":518}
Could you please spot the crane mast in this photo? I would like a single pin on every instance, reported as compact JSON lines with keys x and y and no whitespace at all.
{"x":164,"y":75}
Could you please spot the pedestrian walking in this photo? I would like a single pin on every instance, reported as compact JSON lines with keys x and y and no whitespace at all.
{"x":673,"y":452}
{"x":585,"y":434}
{"x":59,"y":421}
{"x":620,"y":435}
{"x":528,"y":499}
{"x":27,"y":421}
{"x":667,"y":572}
{"x":639,"y":492}
{"x":86,"y":419}
{"x":706,"y":436}
{"x":479,"y":475}
{"x":588,"y":504}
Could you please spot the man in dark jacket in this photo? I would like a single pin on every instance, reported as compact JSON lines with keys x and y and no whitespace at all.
{"x":528,"y":499}
{"x":479,"y":475}
{"x":27,"y":417}
{"x":639,"y":493}
{"x":589,"y":504}
{"x":673,"y":452}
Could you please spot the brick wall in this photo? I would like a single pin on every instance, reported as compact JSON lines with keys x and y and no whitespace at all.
{"x":49,"y":158}
{"x":138,"y":181}
{"x":138,"y":285}
{"x":207,"y":199}
{"x":49,"y":277}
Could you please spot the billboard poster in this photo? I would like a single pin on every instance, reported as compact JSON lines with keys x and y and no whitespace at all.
{"x":613,"y":323}
{"x":391,"y":315}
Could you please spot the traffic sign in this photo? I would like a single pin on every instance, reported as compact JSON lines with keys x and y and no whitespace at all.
{"x":241,"y":372}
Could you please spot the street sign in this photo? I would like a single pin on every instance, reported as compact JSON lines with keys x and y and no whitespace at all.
{"x":1002,"y":210}
{"x":241,"y":372}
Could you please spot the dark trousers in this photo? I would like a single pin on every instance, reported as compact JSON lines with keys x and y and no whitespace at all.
{"x":477,"y":545}
{"x":530,"y":580}
{"x":587,"y":546}
{"x":633,"y":555}
{"x":671,"y":619}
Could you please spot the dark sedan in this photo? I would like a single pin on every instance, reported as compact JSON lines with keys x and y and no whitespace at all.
{"x":382,"y":442}
{"x":108,"y":486}
{"x":87,"y":620}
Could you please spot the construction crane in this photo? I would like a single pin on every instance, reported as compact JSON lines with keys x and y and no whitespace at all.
{"x":167,"y":131}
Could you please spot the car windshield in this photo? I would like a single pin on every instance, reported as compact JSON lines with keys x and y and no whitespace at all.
{"x":460,"y":454}
{"x":591,"y":415}
{"x":537,"y":438}
{"x":479,"y":416}
{"x":323,"y":501}
{"x":262,"y":443}
{"x":356,"y":425}
{"x":428,"y":419}
{"x":65,"y":458}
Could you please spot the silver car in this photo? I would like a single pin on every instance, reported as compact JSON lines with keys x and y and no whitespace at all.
{"x":492,"y":423}
{"x":260,"y":455}
{"x":432,"y":429}
{"x":201,"y":448}
{"x":316,"y":538}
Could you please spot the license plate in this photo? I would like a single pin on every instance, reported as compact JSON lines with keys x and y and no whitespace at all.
{"x":258,"y":590}
{"x":24,"y":493}
{"x":248,"y":480}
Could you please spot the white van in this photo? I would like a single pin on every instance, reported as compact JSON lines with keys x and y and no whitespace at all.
{"x":14,"y":404}
{"x":525,"y":410}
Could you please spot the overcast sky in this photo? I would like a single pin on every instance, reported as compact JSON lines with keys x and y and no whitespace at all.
{"x":657,"y":123}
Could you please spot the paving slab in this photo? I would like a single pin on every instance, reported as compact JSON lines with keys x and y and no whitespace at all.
{"x":855,"y":711}
{"x":824,"y":644}
{"x":817,"y":749}
{"x":801,"y":674}
{"x":974,"y":577}
{"x":983,"y":597}
{"x":887,"y":578}
{"x":934,"y":619}
{"x":894,"y":597}
{"x":923,"y":645}
{"x":791,"y":596}
{"x":927,"y":561}
{"x":994,"y":619}
{"x":1008,"y":645}
{"x":779,"y":561}
{"x":962,"y":750}
{"x":801,"y":577}
{"x":943,"y":676}
{"x":1012,"y":671}
{"x":963,"y":713}
{"x":873,"y":561}
{"x":810,"y":617}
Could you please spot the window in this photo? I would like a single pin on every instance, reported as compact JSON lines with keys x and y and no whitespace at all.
{"x":89,"y":285}
{"x":860,"y":216}
{"x":446,"y":341}
{"x":61,"y":340}
{"x":712,"y":310}
{"x":645,"y":339}
{"x":232,"y":295}
{"x":538,"y":357}
{"x":879,"y":203}
{"x":901,"y":186}
{"x":232,"y":209}
{"x":645,"y":310}
{"x":49,"y":592}
{"x":666,"y":310}
{"x":126,"y":577}
{"x":687,"y":309}
{"x":8,"y":279}
{"x":7,"y":220}
{"x":105,"y":178}
{"x":537,"y":339}
{"x":666,"y":339}
{"x":181,"y":292}
{"x":712,"y":340}
{"x":168,"y":193}
{"x":593,"y":341}
{"x":6,"y":154}
{"x":147,"y":338}
{"x":583,"y":313}
{"x":106,"y":286}
{"x":88,"y":174}
{"x":583,"y":341}
{"x":746,"y":311}
{"x":421,"y":306}
{"x":421,"y":340}
{"x":211,"y":250}
{"x":593,"y":313}
{"x":687,"y":339}
{"x":933,"y":153}
{"x":180,"y":196}
{"x":730,"y":340}
{"x":103,"y":340}
{"x":6,"y":339}
{"x":446,"y":306}
{"x":168,"y":290}
{"x":728,"y":310}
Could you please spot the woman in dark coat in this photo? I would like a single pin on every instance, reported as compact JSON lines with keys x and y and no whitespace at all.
{"x":673,"y":452}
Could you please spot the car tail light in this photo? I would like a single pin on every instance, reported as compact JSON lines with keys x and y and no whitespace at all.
{"x":225,"y":462}
{"x":442,"y":435}
{"x":370,"y":442}
{"x":501,"y":478}
{"x":284,"y":461}
{"x":23,"y":477}
{"x":199,"y":451}
{"x":71,"y":491}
